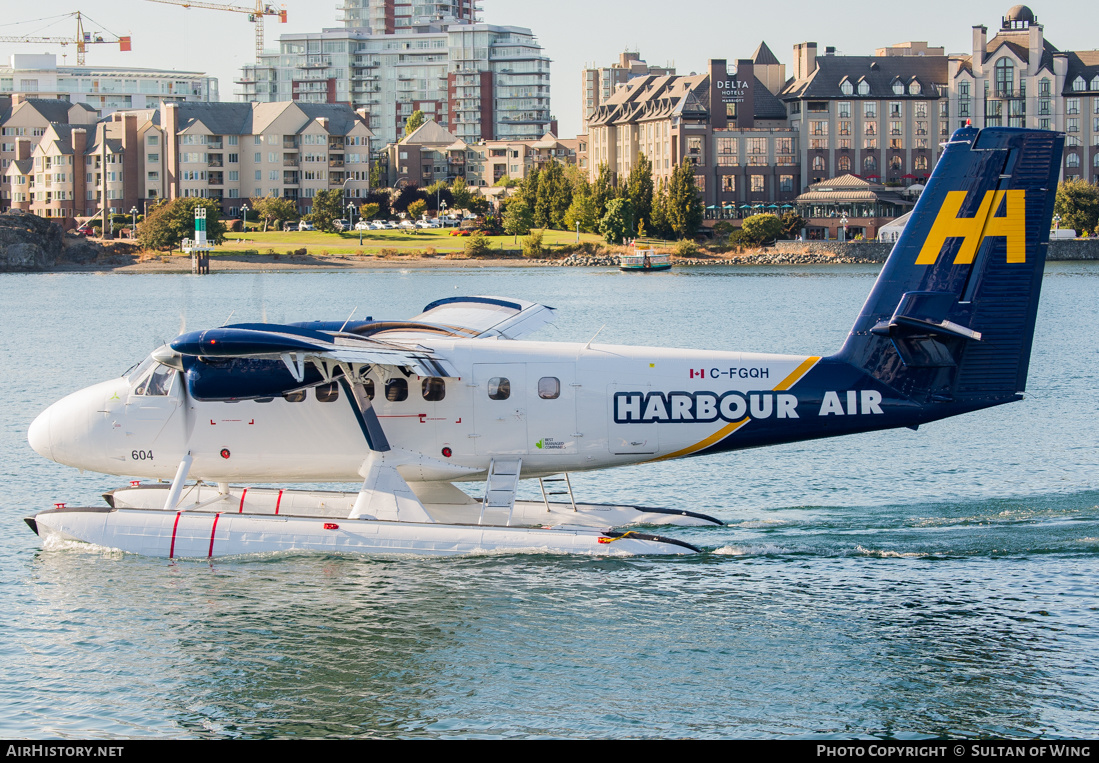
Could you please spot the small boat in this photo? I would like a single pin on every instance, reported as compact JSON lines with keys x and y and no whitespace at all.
{"x":643,"y":258}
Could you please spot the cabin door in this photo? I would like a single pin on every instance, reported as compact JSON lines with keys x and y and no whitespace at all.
{"x":551,"y":407}
{"x":500,"y":399}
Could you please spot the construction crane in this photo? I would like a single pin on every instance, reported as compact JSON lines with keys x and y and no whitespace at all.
{"x":255,"y":15}
{"x":81,"y":41}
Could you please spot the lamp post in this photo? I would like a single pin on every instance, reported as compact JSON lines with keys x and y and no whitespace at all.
{"x":351,"y":214}
{"x":243,"y":218}
{"x":441,"y":210}
{"x":133,"y":213}
{"x":843,"y":222}
{"x":1056,"y":222}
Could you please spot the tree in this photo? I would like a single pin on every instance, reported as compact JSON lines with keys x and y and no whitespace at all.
{"x":792,"y":224}
{"x":327,"y":208}
{"x":169,"y":223}
{"x":658,"y":225}
{"x":274,"y":210}
{"x":582,"y":212}
{"x":369,"y":211}
{"x":639,"y":189}
{"x":414,"y":122}
{"x":603,"y":189}
{"x":406,"y":196}
{"x":618,"y":223}
{"x":759,"y":229}
{"x":382,"y":198}
{"x":438,"y":193}
{"x":460,"y":194}
{"x":1077,"y":203}
{"x":554,"y":195}
{"x":506,"y":182}
{"x":684,"y":206}
{"x":518,"y":216}
{"x":417,"y":208}
{"x":378,"y":177}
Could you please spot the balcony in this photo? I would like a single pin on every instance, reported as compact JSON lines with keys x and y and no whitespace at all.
{"x":215,"y":161}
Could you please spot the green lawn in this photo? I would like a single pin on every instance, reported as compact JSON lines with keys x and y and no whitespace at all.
{"x":317,"y":243}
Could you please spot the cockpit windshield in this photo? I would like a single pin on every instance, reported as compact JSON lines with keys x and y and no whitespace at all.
{"x":157,"y":382}
{"x":150,"y":378}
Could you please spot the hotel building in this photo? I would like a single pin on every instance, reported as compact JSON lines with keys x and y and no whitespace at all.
{"x":727,"y":123}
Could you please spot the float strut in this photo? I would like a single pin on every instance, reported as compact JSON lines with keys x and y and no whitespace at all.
{"x":177,"y":483}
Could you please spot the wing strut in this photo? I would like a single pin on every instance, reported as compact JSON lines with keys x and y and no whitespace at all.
{"x":364,"y":412}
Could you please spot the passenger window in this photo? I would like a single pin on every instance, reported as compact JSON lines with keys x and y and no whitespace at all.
{"x":434,"y":389}
{"x":368,"y":387}
{"x":396,"y":390}
{"x":328,"y":393}
{"x":294,"y":397}
{"x":499,"y":388}
{"x":549,"y":388}
{"x":264,"y":399}
{"x":157,"y":383}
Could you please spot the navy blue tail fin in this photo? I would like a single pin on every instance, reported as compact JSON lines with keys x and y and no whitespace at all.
{"x":951,"y":317}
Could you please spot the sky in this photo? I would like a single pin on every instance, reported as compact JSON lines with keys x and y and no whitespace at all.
{"x":573,"y":33}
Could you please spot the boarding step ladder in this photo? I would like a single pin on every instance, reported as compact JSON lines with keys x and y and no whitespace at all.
{"x":500,"y":487}
{"x":555,"y":483}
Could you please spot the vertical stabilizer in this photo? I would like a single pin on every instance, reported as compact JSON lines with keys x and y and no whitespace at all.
{"x":951,"y":317}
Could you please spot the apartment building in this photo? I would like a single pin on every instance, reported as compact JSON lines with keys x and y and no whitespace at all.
{"x":72,"y":169}
{"x":479,"y":81}
{"x":26,"y":120}
{"x":104,"y":88}
{"x":226,"y":151}
{"x":431,"y":153}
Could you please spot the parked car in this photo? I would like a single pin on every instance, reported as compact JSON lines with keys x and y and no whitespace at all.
{"x":341,"y":225}
{"x":363,"y":225}
{"x":378,"y":225}
{"x":85,"y":230}
{"x":407,"y":225}
{"x":303,"y":225}
{"x":391,"y":225}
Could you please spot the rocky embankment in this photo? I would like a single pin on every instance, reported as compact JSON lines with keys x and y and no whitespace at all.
{"x":761,"y":257}
{"x":29,"y":243}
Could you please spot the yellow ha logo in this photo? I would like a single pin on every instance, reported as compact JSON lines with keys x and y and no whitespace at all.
{"x":973,"y":230}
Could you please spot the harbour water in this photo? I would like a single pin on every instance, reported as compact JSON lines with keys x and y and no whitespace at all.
{"x":895,"y":584}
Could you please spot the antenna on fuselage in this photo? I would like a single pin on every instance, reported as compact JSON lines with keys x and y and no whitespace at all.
{"x":230,"y":316}
{"x":347,"y":321}
{"x":588,"y":345}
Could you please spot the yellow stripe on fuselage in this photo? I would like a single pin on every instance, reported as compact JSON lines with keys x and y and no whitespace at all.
{"x":731,"y":427}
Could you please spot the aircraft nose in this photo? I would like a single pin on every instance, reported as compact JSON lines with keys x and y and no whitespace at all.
{"x":39,"y":434}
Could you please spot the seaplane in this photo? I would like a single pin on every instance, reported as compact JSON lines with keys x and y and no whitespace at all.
{"x":408,"y":409}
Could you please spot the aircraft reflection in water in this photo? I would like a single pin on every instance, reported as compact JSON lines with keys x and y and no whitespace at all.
{"x":459,"y":394}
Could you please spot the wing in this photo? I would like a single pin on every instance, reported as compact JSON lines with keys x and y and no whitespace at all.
{"x":295,"y":346}
{"x":471,"y":318}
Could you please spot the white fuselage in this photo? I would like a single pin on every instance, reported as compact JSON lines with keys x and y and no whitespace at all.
{"x":552,"y":404}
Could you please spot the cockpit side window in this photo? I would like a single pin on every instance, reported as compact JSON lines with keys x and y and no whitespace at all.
{"x":157,"y":383}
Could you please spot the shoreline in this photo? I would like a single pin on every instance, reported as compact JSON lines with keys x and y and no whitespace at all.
{"x":181,"y":264}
